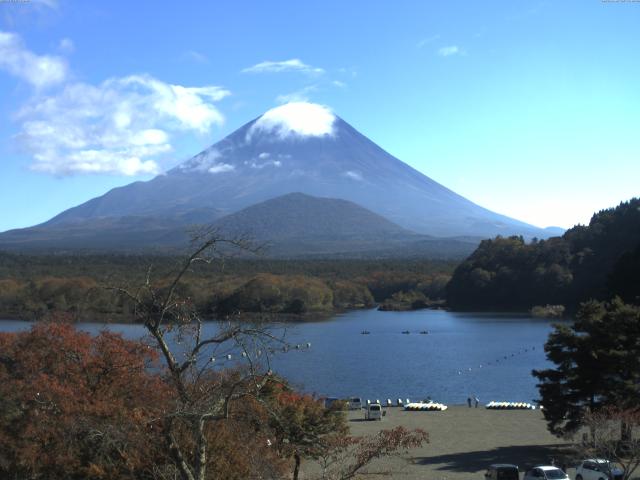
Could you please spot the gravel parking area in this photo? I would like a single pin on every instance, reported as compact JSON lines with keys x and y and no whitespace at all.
{"x":463,"y":442}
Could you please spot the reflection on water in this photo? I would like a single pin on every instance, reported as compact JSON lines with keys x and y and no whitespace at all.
{"x":488,"y":355}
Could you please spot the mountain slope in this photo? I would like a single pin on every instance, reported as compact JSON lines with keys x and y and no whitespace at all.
{"x":300,"y":216}
{"x":301,"y":147}
{"x":293,"y":225}
{"x":299,"y":225}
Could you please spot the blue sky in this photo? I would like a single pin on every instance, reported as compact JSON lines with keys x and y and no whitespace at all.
{"x":531,"y":109}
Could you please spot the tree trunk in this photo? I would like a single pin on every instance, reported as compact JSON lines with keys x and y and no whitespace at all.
{"x":296,"y":468}
{"x":625,"y":431}
{"x":201,"y":453}
{"x":176,"y":453}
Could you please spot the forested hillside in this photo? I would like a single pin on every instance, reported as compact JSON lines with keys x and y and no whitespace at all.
{"x":36,"y":286}
{"x":597,"y":261}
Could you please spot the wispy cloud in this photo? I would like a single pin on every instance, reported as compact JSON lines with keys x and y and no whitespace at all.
{"x":120,"y":126}
{"x":449,"y":50}
{"x":339,"y":84}
{"x":38,"y":70}
{"x":221,"y":168}
{"x":196,"y":57}
{"x":353,"y":175}
{"x":293,"y":65}
{"x":426,"y":41}
{"x":66,"y":45}
{"x":301,"y":95}
{"x":53,"y":4}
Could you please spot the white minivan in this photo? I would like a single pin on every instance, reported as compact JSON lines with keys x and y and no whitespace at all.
{"x":374,"y":412}
{"x":355,"y":403}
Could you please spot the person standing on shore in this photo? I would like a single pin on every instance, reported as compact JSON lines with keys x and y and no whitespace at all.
{"x":469,"y":401}
{"x":477,"y":400}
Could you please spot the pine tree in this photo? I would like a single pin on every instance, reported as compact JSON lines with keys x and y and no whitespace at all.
{"x":597,"y":363}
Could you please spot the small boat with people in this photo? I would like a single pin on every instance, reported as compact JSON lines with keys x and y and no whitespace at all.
{"x":406,"y":332}
{"x":365,"y":332}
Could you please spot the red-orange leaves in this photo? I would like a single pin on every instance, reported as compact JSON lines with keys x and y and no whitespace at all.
{"x":74,"y":406}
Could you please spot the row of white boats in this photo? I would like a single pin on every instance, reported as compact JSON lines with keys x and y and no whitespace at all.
{"x":425,"y":407}
{"x":431,"y":406}
{"x":510,"y":406}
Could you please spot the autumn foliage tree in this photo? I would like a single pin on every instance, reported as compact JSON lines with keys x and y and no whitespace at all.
{"x":344,"y":457}
{"x":303,"y":427}
{"x":73,"y":405}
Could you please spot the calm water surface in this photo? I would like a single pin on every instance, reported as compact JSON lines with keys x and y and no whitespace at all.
{"x":488,"y":355}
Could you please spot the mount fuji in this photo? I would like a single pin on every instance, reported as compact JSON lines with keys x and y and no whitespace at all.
{"x":297,"y":147}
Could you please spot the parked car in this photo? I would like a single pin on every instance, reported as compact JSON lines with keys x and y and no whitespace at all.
{"x":502,"y":471}
{"x":545,"y":472}
{"x":355,"y":403}
{"x":374,"y":412}
{"x":598,"y":469}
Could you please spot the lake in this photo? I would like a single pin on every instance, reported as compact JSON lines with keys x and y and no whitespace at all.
{"x":488,"y":355}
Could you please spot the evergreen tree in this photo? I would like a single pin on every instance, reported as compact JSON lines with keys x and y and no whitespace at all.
{"x":597,"y":365}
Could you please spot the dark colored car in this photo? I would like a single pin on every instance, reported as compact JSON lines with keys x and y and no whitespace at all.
{"x":502,"y":471}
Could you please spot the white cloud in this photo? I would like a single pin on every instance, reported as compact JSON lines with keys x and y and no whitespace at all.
{"x":293,"y":65}
{"x":264,"y":155}
{"x":339,"y":84}
{"x":448,"y":51}
{"x":196,"y":57}
{"x":203,"y":161}
{"x":120,"y":126}
{"x":268,"y":163}
{"x":39,"y":70}
{"x":221,"y":168}
{"x":66,"y":45}
{"x":301,"y":95}
{"x":353,"y":175}
{"x":53,"y":4}
{"x":427,"y":41}
{"x":298,"y":118}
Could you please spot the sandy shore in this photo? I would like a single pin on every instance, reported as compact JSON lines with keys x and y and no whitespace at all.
{"x":463,"y":442}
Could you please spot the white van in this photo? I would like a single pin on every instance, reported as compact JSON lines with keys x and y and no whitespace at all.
{"x":355,"y":403}
{"x":374,"y":412}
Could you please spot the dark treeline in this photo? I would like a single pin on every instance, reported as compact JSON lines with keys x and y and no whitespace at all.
{"x":598,"y":261}
{"x":34,"y":286}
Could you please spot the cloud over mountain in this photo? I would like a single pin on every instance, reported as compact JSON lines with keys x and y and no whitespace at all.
{"x":296,"y":118}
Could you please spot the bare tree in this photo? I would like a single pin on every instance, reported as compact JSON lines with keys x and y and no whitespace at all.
{"x":200,"y":358}
{"x":212,"y":367}
{"x":613,"y":434}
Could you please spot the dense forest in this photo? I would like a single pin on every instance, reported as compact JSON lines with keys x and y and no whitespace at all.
{"x":35,"y":286}
{"x":598,"y":261}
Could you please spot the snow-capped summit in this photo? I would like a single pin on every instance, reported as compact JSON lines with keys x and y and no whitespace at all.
{"x":295,"y":119}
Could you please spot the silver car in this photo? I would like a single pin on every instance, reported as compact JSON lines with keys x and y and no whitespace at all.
{"x":545,"y":472}
{"x":598,"y":469}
